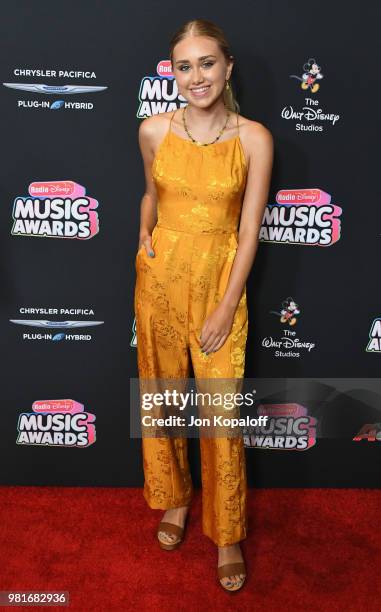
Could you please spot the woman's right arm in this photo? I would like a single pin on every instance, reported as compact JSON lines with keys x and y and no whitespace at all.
{"x":148,"y":205}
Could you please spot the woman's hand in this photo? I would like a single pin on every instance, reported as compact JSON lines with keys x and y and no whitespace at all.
{"x":216,"y":328}
{"x":147,"y":242}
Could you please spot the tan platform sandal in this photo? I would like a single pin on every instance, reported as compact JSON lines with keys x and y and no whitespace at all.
{"x":232,"y":569}
{"x":172,"y":529}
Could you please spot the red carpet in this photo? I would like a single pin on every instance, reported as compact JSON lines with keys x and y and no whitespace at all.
{"x":307,"y":548}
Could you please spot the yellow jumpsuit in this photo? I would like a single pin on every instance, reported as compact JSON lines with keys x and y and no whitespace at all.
{"x":200,"y":192}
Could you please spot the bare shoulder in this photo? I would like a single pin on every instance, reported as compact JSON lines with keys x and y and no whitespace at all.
{"x":256,"y":139}
{"x":152,"y":129}
{"x":255,"y":133}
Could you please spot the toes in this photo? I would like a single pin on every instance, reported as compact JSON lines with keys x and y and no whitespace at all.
{"x":168,"y":537}
{"x":232,"y":581}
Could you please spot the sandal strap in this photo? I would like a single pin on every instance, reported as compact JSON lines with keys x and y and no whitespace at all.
{"x":231,"y":569}
{"x":171,"y":528}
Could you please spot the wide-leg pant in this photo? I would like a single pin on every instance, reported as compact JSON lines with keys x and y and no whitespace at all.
{"x":175,"y":292}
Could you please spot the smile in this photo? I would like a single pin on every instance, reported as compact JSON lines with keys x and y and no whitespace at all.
{"x":198,"y":91}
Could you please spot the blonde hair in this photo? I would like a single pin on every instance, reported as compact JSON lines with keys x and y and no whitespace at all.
{"x":204,"y":27}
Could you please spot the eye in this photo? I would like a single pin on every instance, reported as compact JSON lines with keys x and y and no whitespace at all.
{"x":205,"y":64}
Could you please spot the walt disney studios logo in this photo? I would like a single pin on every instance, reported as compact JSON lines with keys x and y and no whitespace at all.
{"x":288,"y":316}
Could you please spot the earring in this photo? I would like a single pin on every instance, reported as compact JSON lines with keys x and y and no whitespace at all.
{"x":227,"y":86}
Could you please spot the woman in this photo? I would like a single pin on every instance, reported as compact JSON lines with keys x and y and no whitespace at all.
{"x":205,"y":167}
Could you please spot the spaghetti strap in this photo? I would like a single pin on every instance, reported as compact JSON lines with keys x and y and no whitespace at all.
{"x":170,"y":121}
{"x":237,"y":124}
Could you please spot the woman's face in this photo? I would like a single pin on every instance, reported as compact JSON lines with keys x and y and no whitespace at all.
{"x":200,"y":69}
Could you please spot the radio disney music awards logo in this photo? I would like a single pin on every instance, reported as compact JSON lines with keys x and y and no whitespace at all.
{"x":370,"y":432}
{"x":57,"y":329}
{"x":288,"y":427}
{"x":310,"y":117}
{"x":301,"y":216}
{"x":55,"y":209}
{"x":289,"y":344}
{"x":62,"y":422}
{"x":374,"y":343}
{"x":158,"y":93}
{"x":61,"y":91}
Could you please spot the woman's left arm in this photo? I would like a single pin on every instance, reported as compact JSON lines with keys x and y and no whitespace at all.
{"x":261,"y":153}
{"x":259,"y":148}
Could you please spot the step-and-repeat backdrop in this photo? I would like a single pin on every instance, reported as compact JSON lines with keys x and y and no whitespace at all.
{"x":76,"y":80}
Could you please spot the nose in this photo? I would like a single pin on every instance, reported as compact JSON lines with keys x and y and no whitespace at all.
{"x":197,"y":76}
